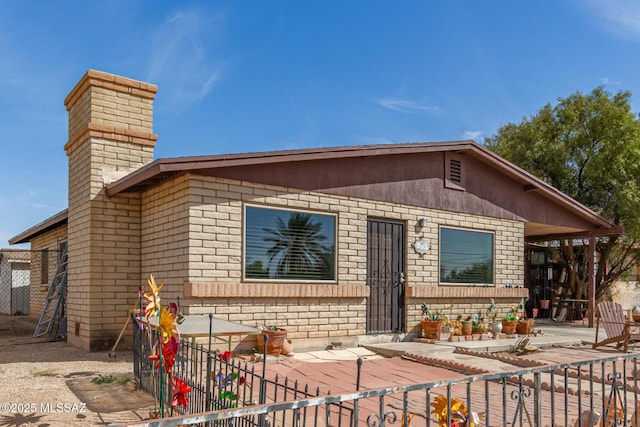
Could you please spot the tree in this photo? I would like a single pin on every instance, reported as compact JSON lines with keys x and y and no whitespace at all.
{"x":296,"y":250}
{"x":587,"y":146}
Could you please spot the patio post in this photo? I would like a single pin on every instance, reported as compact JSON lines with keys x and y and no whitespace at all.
{"x":591,"y":278}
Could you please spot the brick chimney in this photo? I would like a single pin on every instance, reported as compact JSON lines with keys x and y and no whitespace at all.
{"x":110,"y":135}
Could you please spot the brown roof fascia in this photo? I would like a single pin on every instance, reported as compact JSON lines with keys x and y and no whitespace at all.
{"x":48,"y":224}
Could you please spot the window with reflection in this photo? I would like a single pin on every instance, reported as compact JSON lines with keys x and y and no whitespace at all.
{"x":282,"y":244}
{"x":466,"y":256}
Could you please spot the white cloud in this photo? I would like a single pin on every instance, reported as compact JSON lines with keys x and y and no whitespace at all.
{"x":606,"y":81}
{"x":184,"y":60}
{"x":621,"y":17}
{"x":405,"y":106}
{"x":473,"y":134}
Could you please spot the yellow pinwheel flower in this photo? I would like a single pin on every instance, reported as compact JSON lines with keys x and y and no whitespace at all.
{"x":154,"y":298}
{"x":458,"y":411}
{"x":167,"y":326}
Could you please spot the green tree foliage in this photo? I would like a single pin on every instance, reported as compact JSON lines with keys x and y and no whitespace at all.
{"x":587,"y":146}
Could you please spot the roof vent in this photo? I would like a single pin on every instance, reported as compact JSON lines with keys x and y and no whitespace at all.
{"x":455,"y":171}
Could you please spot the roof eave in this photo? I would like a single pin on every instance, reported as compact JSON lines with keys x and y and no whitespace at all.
{"x":614,"y":230}
{"x":54,"y":221}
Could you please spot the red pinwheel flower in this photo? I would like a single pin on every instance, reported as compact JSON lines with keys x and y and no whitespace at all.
{"x":173,"y":344}
{"x":180,"y":390}
{"x":168,"y":356}
{"x":226,"y":355}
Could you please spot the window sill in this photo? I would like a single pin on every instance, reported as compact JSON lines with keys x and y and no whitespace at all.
{"x":450,"y":291}
{"x":272,"y":290}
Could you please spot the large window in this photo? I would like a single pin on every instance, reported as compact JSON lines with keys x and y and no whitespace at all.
{"x":466,"y":256}
{"x":289,"y":245}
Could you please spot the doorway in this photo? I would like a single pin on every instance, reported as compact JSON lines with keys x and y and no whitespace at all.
{"x":385,"y":276}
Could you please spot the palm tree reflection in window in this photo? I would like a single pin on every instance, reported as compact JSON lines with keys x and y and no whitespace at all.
{"x":297,"y":251}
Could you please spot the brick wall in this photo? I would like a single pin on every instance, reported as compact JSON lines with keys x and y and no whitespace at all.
{"x":210,"y":210}
{"x":38,"y":289}
{"x":109,"y":133}
{"x":165,"y":231}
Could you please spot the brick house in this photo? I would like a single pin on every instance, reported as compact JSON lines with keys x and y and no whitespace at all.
{"x":384,"y":227}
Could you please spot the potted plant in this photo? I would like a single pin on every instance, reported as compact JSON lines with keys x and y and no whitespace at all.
{"x":492,"y":314}
{"x":275,"y":339}
{"x":447,"y":328}
{"x":524,"y":326}
{"x":478,"y":326}
{"x":467,"y":326}
{"x":432,"y":322}
{"x":510,"y":322}
{"x":455,"y":326}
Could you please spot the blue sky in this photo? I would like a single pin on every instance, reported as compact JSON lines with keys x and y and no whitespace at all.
{"x":267,"y":75}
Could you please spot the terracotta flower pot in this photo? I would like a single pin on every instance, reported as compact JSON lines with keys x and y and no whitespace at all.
{"x":524,"y":327}
{"x":509,"y":326}
{"x":275,"y":341}
{"x":431,"y":328}
{"x":467,"y":327}
{"x":544,"y":304}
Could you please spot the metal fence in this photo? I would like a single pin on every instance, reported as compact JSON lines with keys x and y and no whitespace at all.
{"x":24,"y":280}
{"x":626,"y":294}
{"x":217,"y":380}
{"x":603,"y":392}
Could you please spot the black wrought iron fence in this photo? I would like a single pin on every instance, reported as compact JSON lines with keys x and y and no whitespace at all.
{"x":603,"y":392}
{"x":24,"y":280}
{"x":217,"y":381}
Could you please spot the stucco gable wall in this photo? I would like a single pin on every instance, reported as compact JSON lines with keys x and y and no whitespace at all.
{"x":495,"y":188}
{"x":416,"y":179}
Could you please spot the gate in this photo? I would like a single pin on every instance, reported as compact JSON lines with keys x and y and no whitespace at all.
{"x":24,"y":279}
{"x":385,"y":276}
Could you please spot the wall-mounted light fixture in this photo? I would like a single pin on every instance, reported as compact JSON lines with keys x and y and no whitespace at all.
{"x":423,"y":222}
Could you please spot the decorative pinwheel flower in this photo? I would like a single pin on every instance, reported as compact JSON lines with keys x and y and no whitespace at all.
{"x":153,"y":297}
{"x":167,"y":326}
{"x":180,"y":390}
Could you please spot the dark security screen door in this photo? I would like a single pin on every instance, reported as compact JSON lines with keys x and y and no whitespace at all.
{"x":385,"y":276}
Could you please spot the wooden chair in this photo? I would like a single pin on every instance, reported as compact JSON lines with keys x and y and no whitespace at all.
{"x":620,"y":331}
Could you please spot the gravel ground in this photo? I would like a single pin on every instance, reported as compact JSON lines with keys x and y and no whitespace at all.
{"x":54,"y":384}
